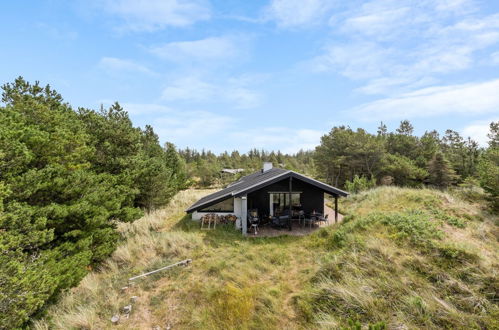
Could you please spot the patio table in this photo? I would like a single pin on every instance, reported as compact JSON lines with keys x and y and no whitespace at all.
{"x":315,"y":215}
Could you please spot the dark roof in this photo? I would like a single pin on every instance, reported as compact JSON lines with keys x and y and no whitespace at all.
{"x":257,"y":180}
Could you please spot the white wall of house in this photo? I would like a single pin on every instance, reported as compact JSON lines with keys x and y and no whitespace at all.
{"x":198,"y":215}
{"x":244,"y":214}
{"x":237,"y":211}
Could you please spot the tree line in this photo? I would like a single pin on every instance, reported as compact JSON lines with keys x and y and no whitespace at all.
{"x":346,"y":156}
{"x":357,"y":159}
{"x":67,"y":177}
{"x":204,"y":168}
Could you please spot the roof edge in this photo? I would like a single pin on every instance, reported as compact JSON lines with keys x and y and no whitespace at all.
{"x":238,"y":192}
{"x":193,"y":208}
{"x":339,"y":191}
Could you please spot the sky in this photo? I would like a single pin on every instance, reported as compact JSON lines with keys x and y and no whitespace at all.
{"x":267,"y":74}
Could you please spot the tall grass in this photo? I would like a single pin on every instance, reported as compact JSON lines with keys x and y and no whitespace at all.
{"x":403,"y":257}
{"x":410,"y":258}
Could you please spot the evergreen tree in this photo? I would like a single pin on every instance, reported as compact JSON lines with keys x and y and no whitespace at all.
{"x":493,"y":135}
{"x":66,"y":178}
{"x":488,"y":166}
{"x":440,"y":172}
{"x":405,"y":128}
{"x":382,"y":129}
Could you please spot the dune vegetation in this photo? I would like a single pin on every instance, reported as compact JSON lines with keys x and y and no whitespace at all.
{"x":403,"y":258}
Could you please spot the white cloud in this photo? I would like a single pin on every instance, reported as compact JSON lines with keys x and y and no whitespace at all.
{"x":378,"y":21}
{"x":285,"y":139}
{"x":189,"y":88}
{"x":198,"y":129}
{"x":458,"y":6}
{"x":191,"y":125}
{"x":293,"y":13}
{"x":213,"y":48}
{"x":58,"y":33}
{"x":478,"y":131}
{"x":495,"y":58}
{"x":194,"y":89}
{"x":152,"y":15}
{"x":184,"y":128}
{"x":394,"y":46}
{"x":352,"y":60}
{"x":465,"y":99}
{"x":146,"y":108}
{"x":113,"y":64}
{"x":477,"y":24}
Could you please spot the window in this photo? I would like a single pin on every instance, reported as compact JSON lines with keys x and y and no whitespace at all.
{"x":226,"y":205}
{"x":280,"y":201}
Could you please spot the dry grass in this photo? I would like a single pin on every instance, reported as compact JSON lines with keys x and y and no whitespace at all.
{"x":411,"y":259}
{"x":233,"y":282}
{"x":385,"y":269}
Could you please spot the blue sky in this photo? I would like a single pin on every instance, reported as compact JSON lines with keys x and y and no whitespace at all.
{"x":274,"y":74}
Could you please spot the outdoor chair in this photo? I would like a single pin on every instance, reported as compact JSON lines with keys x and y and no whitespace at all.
{"x":285,"y":219}
{"x":208,"y":219}
{"x":324,"y":219}
{"x":309,"y":221}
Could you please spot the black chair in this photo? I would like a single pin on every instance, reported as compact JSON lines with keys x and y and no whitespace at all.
{"x":281,"y":220}
{"x":312,"y":219}
{"x":285,"y":219}
{"x":275,"y":223}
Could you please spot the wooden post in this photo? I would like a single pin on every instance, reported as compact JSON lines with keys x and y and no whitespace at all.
{"x":335,"y":208}
{"x":244,"y":214}
{"x":290,"y":210}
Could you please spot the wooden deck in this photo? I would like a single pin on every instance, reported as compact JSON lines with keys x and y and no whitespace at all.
{"x":297,"y":229}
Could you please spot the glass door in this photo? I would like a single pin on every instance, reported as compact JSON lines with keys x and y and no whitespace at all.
{"x":280,"y":202}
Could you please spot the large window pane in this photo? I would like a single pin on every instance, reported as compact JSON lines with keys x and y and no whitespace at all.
{"x":295,"y":200}
{"x":223,"y":206}
{"x":281,"y":201}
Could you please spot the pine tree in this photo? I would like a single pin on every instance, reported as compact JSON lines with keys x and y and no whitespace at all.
{"x":440,"y":172}
{"x":494,"y":135}
{"x":66,"y":177}
{"x":405,"y":128}
{"x":488,"y":166}
{"x":382,"y":129}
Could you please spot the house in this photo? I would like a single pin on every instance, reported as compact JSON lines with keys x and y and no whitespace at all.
{"x":270,"y":191}
{"x":232,"y":170}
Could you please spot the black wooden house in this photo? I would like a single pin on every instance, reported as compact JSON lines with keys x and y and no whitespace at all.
{"x":270,"y":192}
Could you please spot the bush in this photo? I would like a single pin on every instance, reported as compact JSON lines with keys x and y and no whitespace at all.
{"x":447,"y":218}
{"x":412,"y":226}
{"x":359,"y":184}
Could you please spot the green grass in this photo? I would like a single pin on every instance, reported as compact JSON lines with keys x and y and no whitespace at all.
{"x":402,"y":258}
